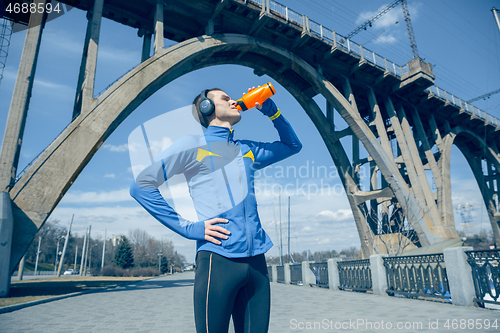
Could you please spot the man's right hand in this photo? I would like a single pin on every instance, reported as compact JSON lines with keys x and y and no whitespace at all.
{"x":212,"y":230}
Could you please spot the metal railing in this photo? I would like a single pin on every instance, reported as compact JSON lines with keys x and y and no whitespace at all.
{"x":329,"y":36}
{"x":280,"y":270}
{"x":417,"y":276}
{"x":320,"y":270}
{"x":355,"y":275}
{"x":296,"y":274}
{"x":486,"y":275}
{"x":466,"y":107}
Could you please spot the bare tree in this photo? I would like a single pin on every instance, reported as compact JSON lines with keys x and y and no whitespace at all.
{"x":390,"y":229}
{"x":147,"y":248}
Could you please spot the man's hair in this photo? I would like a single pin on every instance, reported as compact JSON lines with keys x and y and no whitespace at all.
{"x":203,"y":120}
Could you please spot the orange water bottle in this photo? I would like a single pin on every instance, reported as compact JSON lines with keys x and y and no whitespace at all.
{"x":258,"y":95}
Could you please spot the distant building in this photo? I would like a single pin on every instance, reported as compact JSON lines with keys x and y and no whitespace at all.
{"x":189,"y":267}
{"x":116,"y":239}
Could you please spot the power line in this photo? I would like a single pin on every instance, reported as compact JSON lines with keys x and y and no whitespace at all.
{"x":487,"y":95}
{"x":369,"y":22}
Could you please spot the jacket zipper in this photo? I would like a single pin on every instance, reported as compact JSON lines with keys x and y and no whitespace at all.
{"x":242,"y":200}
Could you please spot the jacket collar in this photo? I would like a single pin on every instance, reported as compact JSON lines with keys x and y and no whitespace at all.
{"x":221,"y":132}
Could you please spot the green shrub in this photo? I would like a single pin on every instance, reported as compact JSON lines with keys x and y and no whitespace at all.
{"x":124,"y":255}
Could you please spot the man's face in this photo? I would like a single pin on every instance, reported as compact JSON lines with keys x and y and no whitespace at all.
{"x":225,"y":107}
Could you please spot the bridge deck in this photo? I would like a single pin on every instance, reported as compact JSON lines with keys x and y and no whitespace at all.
{"x":165,"y":305}
{"x":318,"y":45}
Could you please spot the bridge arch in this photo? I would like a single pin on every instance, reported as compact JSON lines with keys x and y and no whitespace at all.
{"x":40,"y":189}
{"x":470,"y":143}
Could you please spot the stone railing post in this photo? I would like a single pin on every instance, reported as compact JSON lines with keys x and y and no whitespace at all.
{"x":308,"y":276}
{"x":288,"y":278}
{"x":459,"y":275}
{"x":274,"y":277}
{"x":379,"y":276}
{"x":333,"y":274}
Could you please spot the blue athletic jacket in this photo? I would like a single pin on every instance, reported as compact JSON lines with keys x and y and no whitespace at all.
{"x":220,"y":173}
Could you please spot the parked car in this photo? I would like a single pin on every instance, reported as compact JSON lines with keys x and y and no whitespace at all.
{"x":71,"y":272}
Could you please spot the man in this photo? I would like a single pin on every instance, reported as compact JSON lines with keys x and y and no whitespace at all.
{"x":231,"y":274}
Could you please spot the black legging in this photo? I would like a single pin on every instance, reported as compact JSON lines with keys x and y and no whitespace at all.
{"x":231,"y":286}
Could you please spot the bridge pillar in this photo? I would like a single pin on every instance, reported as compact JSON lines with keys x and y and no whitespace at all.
{"x":419,"y":167}
{"x":6,"y":228}
{"x":444,"y":208}
{"x":13,"y":138}
{"x":19,"y":105}
{"x":159,"y":39}
{"x":377,"y":118}
{"x":351,"y":181}
{"x":209,"y":29}
{"x":487,"y":192}
{"x":329,"y":114}
{"x":403,"y":143}
{"x":146,"y":44}
{"x":86,"y":79}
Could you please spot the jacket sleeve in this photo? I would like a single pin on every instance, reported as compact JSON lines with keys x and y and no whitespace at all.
{"x":145,"y":191}
{"x":266,"y":153}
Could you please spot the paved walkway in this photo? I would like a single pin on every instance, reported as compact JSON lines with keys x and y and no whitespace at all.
{"x":165,"y":305}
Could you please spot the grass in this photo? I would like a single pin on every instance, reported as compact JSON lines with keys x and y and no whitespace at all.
{"x":31,"y":290}
{"x":30,"y":266}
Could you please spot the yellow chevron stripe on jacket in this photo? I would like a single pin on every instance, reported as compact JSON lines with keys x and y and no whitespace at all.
{"x":202,"y":153}
{"x":250,"y":154}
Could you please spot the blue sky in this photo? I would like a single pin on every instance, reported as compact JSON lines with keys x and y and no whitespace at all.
{"x":459,"y":38}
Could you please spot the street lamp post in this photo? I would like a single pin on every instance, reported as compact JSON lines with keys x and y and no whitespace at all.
{"x":64,"y":247}
{"x":76,"y":257}
{"x":90,"y":257}
{"x":38,"y":254}
{"x":103,"y":249}
{"x":83,"y":252}
{"x":57,"y":253}
{"x":159,"y":262}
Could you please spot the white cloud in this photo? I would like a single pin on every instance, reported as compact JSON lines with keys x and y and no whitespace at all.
{"x":136,"y":169}
{"x":9,"y":74}
{"x":324,"y":241}
{"x":101,"y":197}
{"x":119,"y":149}
{"x":340,"y":215}
{"x":54,"y":87}
{"x":114,"y":55}
{"x":385,"y":39}
{"x":384,"y":21}
{"x":311,"y":225}
{"x":157,"y":146}
{"x":110,"y":175}
{"x":63,"y":42}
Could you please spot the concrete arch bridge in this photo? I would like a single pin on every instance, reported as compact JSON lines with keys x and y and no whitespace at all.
{"x":406,"y":125}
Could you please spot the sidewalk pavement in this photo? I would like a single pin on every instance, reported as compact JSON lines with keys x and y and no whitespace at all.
{"x":164,"y":305}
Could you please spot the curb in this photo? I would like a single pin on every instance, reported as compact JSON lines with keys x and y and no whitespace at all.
{"x":20,"y":306}
{"x":15,"y":307}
